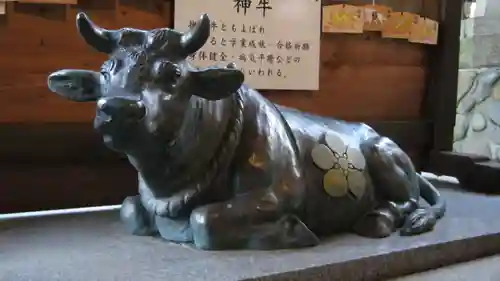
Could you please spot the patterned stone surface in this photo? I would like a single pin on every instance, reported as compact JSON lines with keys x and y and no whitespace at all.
{"x":480,"y":51}
{"x":477,"y":125}
{"x":480,"y":39}
{"x":480,"y":26}
{"x":492,"y":8}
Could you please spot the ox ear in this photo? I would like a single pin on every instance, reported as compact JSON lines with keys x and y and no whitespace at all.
{"x":75,"y":85}
{"x":214,"y":83}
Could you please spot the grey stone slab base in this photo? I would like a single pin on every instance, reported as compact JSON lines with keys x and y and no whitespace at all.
{"x":94,"y":247}
{"x":485,"y":269}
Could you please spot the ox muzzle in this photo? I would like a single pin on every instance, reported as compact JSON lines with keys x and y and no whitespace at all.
{"x":119,"y":111}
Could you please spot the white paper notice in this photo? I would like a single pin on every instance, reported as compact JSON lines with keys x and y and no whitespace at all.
{"x":276,"y":43}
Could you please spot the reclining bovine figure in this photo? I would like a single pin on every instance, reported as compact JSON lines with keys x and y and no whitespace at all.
{"x":222,"y":167}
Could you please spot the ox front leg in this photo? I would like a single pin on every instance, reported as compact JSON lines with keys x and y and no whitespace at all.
{"x":135,"y":217}
{"x":139,"y":221}
{"x":264,"y":215}
{"x":250,"y":221}
{"x":172,"y":229}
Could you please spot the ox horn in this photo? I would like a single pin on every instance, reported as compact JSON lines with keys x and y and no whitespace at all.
{"x":101,"y":39}
{"x":197,"y":36}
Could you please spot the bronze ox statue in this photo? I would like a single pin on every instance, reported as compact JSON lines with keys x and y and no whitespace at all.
{"x":222,"y":167}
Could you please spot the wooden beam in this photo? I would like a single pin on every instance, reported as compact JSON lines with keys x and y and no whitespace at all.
{"x":63,"y":2}
{"x":440,"y":101}
{"x":3,"y":6}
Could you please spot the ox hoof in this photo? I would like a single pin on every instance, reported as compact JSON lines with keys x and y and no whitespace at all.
{"x":378,"y":224}
{"x":296,"y":233}
{"x":134,"y":216}
{"x":177,"y":230}
{"x":420,"y":221}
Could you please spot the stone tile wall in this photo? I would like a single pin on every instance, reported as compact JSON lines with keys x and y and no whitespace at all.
{"x":477,"y":126}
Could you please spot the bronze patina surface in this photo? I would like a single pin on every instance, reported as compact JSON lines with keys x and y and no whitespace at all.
{"x":222,"y":167}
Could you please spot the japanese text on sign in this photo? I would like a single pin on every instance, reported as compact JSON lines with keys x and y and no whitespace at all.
{"x":274,"y":49}
{"x":244,"y":5}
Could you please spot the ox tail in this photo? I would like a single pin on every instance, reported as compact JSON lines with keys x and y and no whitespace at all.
{"x":424,"y":219}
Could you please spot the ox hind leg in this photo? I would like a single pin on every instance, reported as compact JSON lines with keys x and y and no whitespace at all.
{"x":254,"y":220}
{"x":396,"y":188}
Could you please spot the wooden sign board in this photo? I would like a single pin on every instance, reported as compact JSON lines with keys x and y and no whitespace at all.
{"x":326,"y":24}
{"x":424,"y":31}
{"x":275,"y":43}
{"x":343,"y":19}
{"x":375,"y":16}
{"x":399,"y":25}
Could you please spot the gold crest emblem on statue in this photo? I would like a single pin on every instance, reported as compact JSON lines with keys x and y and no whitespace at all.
{"x":344,"y":166}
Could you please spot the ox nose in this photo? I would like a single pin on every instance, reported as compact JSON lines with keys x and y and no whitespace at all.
{"x":120,"y":108}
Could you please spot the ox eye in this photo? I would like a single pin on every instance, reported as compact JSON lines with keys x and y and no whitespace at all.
{"x":166,"y":70}
{"x":174,"y":72}
{"x":177,"y":73}
{"x":105,"y":75}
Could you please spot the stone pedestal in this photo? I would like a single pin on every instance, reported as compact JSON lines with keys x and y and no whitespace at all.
{"x":481,"y":269}
{"x":477,"y":127}
{"x":94,"y":246}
